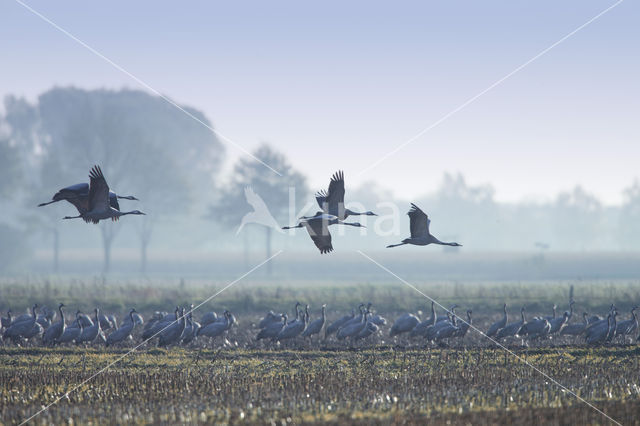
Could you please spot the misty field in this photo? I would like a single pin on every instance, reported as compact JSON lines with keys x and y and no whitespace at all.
{"x":379,"y":380}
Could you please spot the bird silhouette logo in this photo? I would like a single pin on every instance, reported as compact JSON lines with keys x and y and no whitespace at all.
{"x":260,"y":214}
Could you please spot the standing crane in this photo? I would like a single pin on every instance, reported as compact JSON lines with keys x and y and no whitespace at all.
{"x":98,"y":206}
{"x":123,"y":332}
{"x":513,"y":328}
{"x":498,"y":325}
{"x":20,"y":328}
{"x":55,"y":331}
{"x":316,"y":326}
{"x":91,"y":333}
{"x":419,"y":225}
{"x":421,"y":329}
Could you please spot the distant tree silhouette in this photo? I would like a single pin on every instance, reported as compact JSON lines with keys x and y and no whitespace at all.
{"x":629,"y":219}
{"x":144,"y":145}
{"x":231,"y":205}
{"x":577,"y":217}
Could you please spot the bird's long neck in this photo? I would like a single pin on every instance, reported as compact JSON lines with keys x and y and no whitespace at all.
{"x":61,"y":314}
{"x":131,"y":317}
{"x":338,"y":222}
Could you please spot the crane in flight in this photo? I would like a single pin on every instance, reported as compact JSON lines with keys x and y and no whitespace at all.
{"x":78,"y":195}
{"x":318,"y":228}
{"x":332,"y":200}
{"x":420,"y":235}
{"x":98,"y":205}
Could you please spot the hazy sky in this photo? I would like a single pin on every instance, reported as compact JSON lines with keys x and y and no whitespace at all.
{"x":340,"y":84}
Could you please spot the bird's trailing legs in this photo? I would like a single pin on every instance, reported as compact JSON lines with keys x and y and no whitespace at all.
{"x":396,"y":245}
{"x":73,"y":217}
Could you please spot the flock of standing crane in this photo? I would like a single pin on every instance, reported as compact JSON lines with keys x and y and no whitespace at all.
{"x":180,"y":328}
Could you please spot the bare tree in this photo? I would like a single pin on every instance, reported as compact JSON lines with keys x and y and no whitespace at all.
{"x":144,"y":145}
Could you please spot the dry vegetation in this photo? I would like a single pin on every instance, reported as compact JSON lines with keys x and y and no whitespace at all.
{"x":381,"y":381}
{"x":378,"y":385}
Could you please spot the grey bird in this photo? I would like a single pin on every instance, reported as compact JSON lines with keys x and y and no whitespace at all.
{"x":269,"y":318}
{"x":575,"y":329}
{"x":82,"y":318}
{"x":217,"y":328}
{"x":55,"y":331}
{"x":500,"y":324}
{"x":369,"y":328}
{"x":271,"y":330}
{"x":208,"y":318}
{"x":332,"y":200}
{"x":315,"y":327}
{"x":172,"y":333}
{"x":420,"y":234}
{"x":70,"y":334}
{"x":535,"y":329}
{"x":123,"y":332}
{"x":21,"y":328}
{"x":464,"y":327}
{"x":629,"y":326}
{"x":353,"y":329}
{"x":318,"y":228}
{"x":421,"y":329}
{"x":98,"y":207}
{"x":295,"y":328}
{"x":5,"y":322}
{"x":191,"y":330}
{"x":404,"y":324}
{"x":557,"y":324}
{"x":511,"y":329}
{"x":78,"y":196}
{"x":599,"y":335}
{"x":136,"y":318}
{"x":335,"y":326}
{"x":91,"y":333}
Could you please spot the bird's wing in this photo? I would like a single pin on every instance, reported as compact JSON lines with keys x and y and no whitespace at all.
{"x":80,"y":203}
{"x":419,"y":222}
{"x":113,"y":200}
{"x":98,"y":190}
{"x":335,"y":194}
{"x":319,"y":232}
{"x":77,"y":194}
{"x":73,"y":191}
{"x":321,"y":198}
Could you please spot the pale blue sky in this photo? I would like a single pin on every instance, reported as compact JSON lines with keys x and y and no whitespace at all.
{"x":337,"y":85}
